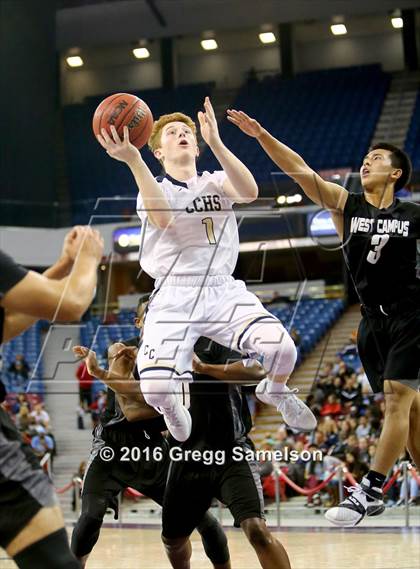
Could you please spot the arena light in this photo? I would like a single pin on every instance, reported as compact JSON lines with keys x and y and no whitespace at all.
{"x":141,"y":52}
{"x":397,"y":22}
{"x":338,"y":29}
{"x":267,"y":37}
{"x":209,"y":44}
{"x":74,"y":61}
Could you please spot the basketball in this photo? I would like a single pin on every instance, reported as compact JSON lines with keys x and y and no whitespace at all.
{"x":123,"y":109}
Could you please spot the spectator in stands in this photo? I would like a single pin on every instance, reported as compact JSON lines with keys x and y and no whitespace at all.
{"x":343,"y":370}
{"x":363,"y":428}
{"x":355,"y":466}
{"x":85,"y":386}
{"x":19,"y":368}
{"x":331,"y":407}
{"x":413,"y":491}
{"x":40,"y":416}
{"x":282,"y":439}
{"x":351,"y":395}
{"x":352,"y":444}
{"x":318,"y":470}
{"x":77,"y":487}
{"x":23,"y":418}
{"x":41,"y":444}
{"x":327,"y":370}
{"x":363,"y":451}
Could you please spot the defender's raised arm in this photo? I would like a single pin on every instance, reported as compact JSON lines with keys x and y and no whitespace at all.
{"x":323,"y":193}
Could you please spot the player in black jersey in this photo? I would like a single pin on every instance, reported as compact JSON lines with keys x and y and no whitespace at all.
{"x":381,"y":246}
{"x":129,"y":422}
{"x":31,"y":523}
{"x":217,"y":460}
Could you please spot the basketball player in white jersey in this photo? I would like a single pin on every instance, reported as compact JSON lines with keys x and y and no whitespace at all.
{"x":190,"y":246}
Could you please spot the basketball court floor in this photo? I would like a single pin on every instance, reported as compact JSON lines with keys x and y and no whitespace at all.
{"x":377,"y":548}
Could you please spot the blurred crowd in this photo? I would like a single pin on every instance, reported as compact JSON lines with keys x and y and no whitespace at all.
{"x":349,"y":424}
{"x":33,"y":422}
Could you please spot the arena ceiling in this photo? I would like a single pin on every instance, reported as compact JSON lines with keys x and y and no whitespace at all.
{"x":100,"y":22}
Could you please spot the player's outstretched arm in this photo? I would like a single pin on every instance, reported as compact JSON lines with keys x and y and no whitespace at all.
{"x":66,"y":299}
{"x":155,"y":203}
{"x":235,"y":372}
{"x":240,"y":184}
{"x":126,"y":388}
{"x":325,"y":194}
{"x":17,"y":322}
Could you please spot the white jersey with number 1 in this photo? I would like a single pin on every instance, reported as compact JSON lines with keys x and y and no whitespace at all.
{"x":203,"y":236}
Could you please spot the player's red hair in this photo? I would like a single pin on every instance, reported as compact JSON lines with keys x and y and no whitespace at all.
{"x":155,"y":137}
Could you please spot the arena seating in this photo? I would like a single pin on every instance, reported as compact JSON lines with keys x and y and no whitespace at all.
{"x":92,"y":173}
{"x":28,"y":344}
{"x":412,"y":143}
{"x":327,"y":116}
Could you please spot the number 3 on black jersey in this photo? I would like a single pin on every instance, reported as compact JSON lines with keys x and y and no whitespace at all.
{"x":377,"y":242}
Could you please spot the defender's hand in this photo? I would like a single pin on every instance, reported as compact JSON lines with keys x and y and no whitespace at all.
{"x":121,"y":150}
{"x":208,"y":124}
{"x":71,"y":244}
{"x":90,"y":358}
{"x":247,"y":125}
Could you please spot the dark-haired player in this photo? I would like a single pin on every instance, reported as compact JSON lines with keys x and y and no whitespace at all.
{"x":225,"y":467}
{"x":380,"y":236}
{"x":31,"y":523}
{"x":129,"y":422}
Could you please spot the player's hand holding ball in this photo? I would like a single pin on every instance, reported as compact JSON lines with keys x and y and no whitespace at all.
{"x":208,"y":124}
{"x":121,"y":150}
{"x":122,"y":124}
{"x":249,"y":126}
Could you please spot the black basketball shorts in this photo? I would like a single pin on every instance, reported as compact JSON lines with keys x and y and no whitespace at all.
{"x":24,"y":487}
{"x":191,"y":488}
{"x":142,"y":472}
{"x":389,"y":348}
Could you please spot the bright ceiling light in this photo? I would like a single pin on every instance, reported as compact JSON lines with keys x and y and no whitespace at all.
{"x":397,"y":22}
{"x":267,"y":37}
{"x":338,"y":29}
{"x":74,"y":61}
{"x":209,"y":44}
{"x":141,"y":52}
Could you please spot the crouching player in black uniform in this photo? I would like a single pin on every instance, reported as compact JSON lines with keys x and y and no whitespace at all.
{"x":31,"y":523}
{"x":129,"y":423}
{"x":381,"y":246}
{"x":217,"y":460}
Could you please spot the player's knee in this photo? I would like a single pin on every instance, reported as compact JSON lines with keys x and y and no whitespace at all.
{"x":398,"y":399}
{"x":279,"y":356}
{"x":52,"y":551}
{"x":174,"y":544}
{"x":214,"y":540}
{"x":257,"y":533}
{"x":158,"y":390}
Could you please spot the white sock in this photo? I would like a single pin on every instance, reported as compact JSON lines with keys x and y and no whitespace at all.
{"x":276,"y":387}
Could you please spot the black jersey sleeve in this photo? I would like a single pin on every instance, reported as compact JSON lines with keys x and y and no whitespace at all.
{"x":10,"y":273}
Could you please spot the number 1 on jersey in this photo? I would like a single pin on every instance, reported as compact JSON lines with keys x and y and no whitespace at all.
{"x":208,"y":222}
{"x":378,"y":242}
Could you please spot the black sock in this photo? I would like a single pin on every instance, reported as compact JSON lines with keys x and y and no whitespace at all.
{"x":52,"y":551}
{"x":376,"y":479}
